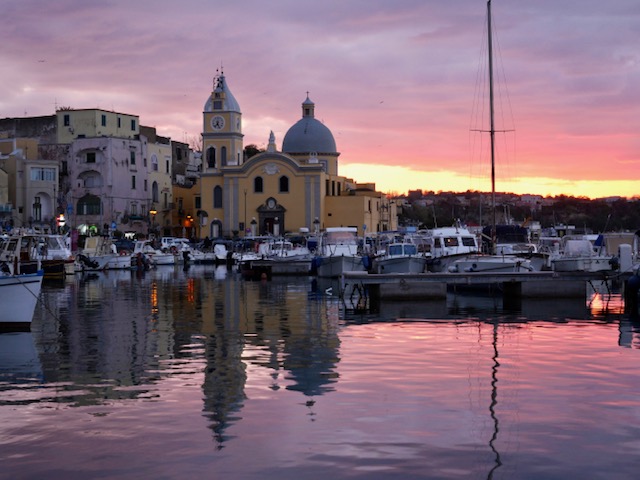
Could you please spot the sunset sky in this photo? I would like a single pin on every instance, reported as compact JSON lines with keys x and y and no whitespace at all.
{"x":400,"y":84}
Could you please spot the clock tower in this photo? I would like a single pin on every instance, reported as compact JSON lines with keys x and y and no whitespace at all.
{"x":222,"y":128}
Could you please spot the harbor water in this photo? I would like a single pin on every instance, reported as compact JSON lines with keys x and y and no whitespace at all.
{"x":196,"y":373}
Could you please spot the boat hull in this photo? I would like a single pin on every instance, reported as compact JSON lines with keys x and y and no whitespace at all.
{"x":400,"y":265}
{"x":491,"y":263}
{"x":335,"y":266}
{"x":18,"y":298}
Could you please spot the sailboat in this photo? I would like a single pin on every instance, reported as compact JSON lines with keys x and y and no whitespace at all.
{"x":492,"y":262}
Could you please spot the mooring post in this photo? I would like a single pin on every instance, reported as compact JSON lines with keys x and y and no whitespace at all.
{"x":631,"y":289}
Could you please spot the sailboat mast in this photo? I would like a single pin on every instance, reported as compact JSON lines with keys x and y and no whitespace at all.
{"x":492,"y":131}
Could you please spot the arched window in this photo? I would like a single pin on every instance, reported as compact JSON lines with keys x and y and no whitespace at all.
{"x":284,"y":184}
{"x":154,"y":162}
{"x":223,"y":160}
{"x":154,"y":192}
{"x":211,"y":157}
{"x":217,"y":197}
{"x":89,"y":205}
{"x":258,"y":186}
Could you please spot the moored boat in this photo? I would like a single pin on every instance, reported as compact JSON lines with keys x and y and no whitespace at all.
{"x":339,"y":253}
{"x":19,"y":292}
{"x":400,"y":257}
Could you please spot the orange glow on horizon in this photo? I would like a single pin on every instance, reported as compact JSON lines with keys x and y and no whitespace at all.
{"x":399,"y":180}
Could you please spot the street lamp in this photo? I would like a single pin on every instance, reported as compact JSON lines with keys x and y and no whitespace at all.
{"x":244,"y":224}
{"x":153,"y":213}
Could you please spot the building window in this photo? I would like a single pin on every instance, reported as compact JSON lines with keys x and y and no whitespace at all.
{"x":145,"y":184}
{"x":119,"y":122}
{"x":91,"y":157}
{"x":91,"y":180}
{"x":154,"y":162}
{"x":89,"y":205}
{"x":104,"y":120}
{"x":132,"y":157}
{"x":179,"y":154}
{"x":167,"y":166}
{"x":211,"y":157}
{"x":133,"y":125}
{"x":41,"y":174}
{"x":258,"y":185}
{"x":223,"y":155}
{"x":154,"y":192}
{"x":37,"y":209}
{"x":198,"y":202}
{"x":66,"y":120}
{"x":217,"y":105}
{"x":133,"y":182}
{"x":217,"y":197}
{"x":284,"y":184}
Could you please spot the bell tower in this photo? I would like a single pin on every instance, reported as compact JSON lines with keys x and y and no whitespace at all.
{"x":222,"y":128}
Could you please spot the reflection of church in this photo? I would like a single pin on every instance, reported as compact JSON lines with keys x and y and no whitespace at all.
{"x":274,"y":192}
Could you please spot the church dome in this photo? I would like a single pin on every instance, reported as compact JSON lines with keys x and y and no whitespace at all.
{"x":308,"y":134}
{"x":221,"y":91}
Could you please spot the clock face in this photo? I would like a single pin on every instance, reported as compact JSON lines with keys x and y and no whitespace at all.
{"x":217,"y":122}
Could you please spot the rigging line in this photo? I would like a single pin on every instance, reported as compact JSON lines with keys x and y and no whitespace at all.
{"x":503,"y":95}
{"x":38,"y":299}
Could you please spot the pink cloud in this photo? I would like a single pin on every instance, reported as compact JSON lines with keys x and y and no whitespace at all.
{"x":394,"y":82}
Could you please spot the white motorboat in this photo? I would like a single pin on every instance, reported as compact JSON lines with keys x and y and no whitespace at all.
{"x":339,"y":253}
{"x":51,"y":250}
{"x":400,"y":257}
{"x":448,"y":244}
{"x":100,"y":253}
{"x":156,"y":257}
{"x":580,"y":255}
{"x":19,"y":292}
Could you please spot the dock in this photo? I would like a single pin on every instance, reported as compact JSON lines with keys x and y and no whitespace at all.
{"x":364,"y":288}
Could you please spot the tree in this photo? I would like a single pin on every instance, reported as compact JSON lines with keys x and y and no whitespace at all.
{"x":252,"y":150}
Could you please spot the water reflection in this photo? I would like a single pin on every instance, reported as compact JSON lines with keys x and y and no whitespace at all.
{"x":438,"y":382}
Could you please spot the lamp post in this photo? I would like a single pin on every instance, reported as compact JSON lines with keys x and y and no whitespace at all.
{"x":153,"y":213}
{"x":244,"y":224}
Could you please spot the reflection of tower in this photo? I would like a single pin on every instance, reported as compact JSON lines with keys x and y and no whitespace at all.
{"x":311,"y":351}
{"x":224,"y":381}
{"x":225,"y":373}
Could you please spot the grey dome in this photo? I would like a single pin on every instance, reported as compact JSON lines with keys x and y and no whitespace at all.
{"x":308,"y":134}
{"x":229,"y":102}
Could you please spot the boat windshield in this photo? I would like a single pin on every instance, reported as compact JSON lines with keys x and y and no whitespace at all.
{"x":341,"y":237}
{"x":468,"y":241}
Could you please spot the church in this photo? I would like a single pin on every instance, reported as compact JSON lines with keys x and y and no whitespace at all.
{"x":295,"y":189}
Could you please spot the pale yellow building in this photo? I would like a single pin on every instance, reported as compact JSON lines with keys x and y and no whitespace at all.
{"x":88,"y":123}
{"x":158,"y":182}
{"x":278,"y":191}
{"x":32,"y":185}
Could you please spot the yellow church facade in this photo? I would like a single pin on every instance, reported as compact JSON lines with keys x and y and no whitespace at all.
{"x":296,"y":188}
